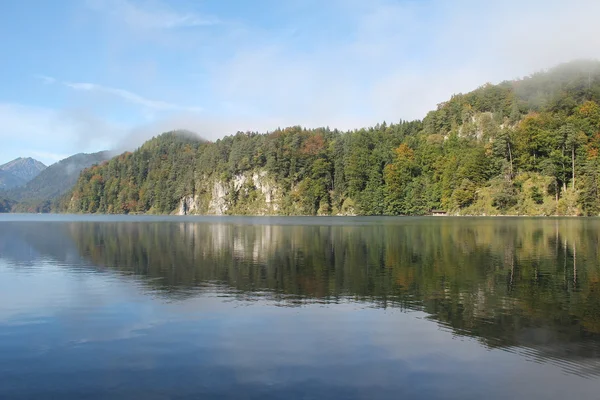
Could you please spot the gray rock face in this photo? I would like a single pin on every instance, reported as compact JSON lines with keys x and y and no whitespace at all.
{"x":19,"y":172}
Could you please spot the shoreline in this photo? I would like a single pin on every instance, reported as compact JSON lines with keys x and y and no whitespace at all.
{"x":295,"y":216}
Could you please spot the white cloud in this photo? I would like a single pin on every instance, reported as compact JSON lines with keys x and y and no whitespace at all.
{"x":130,"y":96}
{"x":48,"y":134}
{"x":45,"y":155}
{"x":151,"y":15}
{"x":206,"y":127}
{"x":402,"y":58}
{"x":48,"y":80}
{"x":360,"y":64}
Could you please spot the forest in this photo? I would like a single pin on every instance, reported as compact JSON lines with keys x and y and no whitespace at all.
{"x":529,"y":146}
{"x":5,"y":205}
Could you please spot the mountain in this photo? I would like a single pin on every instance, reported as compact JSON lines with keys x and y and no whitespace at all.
{"x":24,"y":168}
{"x":529,"y":146}
{"x":19,"y":171}
{"x":53,"y":181}
{"x":8,"y":180}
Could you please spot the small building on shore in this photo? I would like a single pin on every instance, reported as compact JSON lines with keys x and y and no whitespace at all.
{"x":439,"y":213}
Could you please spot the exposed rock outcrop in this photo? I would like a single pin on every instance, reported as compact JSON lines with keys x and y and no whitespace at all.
{"x":252,"y":193}
{"x":188,"y":205}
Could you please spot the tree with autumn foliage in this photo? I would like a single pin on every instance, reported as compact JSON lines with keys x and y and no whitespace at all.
{"x":398,"y":176}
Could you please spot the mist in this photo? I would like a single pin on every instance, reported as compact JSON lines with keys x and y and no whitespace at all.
{"x":385,"y":73}
{"x":350,"y":65}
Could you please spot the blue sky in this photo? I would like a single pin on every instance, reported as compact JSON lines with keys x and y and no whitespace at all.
{"x":87,"y":75}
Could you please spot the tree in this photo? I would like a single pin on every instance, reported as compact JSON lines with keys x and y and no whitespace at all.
{"x":397,"y":176}
{"x":536,"y":195}
{"x":465,"y":194}
{"x":574,"y":138}
{"x":505,"y":197}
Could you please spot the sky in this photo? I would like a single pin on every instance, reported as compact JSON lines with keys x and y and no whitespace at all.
{"x":90,"y":75}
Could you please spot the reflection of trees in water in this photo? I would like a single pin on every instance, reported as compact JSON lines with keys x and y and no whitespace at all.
{"x":510,"y":282}
{"x":517,"y":273}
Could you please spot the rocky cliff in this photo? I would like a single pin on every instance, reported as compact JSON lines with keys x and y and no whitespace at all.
{"x":250,"y":194}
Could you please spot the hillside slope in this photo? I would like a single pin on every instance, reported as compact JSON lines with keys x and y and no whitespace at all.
{"x":524,"y":147}
{"x":5,"y":205}
{"x":52,"y":182}
{"x":24,"y":168}
{"x":9,"y":181}
{"x":19,"y":171}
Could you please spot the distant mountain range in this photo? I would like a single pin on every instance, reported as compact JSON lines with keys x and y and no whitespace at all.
{"x":19,"y":171}
{"x":37,"y":194}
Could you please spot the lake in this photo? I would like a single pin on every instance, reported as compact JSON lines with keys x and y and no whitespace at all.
{"x":114,"y":307}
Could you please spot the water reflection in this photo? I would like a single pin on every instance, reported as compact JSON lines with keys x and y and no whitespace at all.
{"x":530,"y":286}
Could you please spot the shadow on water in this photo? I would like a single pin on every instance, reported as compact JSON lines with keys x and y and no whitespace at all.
{"x":524,"y":285}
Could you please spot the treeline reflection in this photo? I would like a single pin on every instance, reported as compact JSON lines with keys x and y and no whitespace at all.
{"x":524,"y":283}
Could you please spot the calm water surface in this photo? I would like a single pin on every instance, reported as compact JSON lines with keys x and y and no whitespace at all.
{"x":299,"y":308}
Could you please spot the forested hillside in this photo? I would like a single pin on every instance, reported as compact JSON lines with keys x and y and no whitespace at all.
{"x":8,"y":180}
{"x":523,"y":147}
{"x":5,"y":205}
{"x":41,"y":193}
